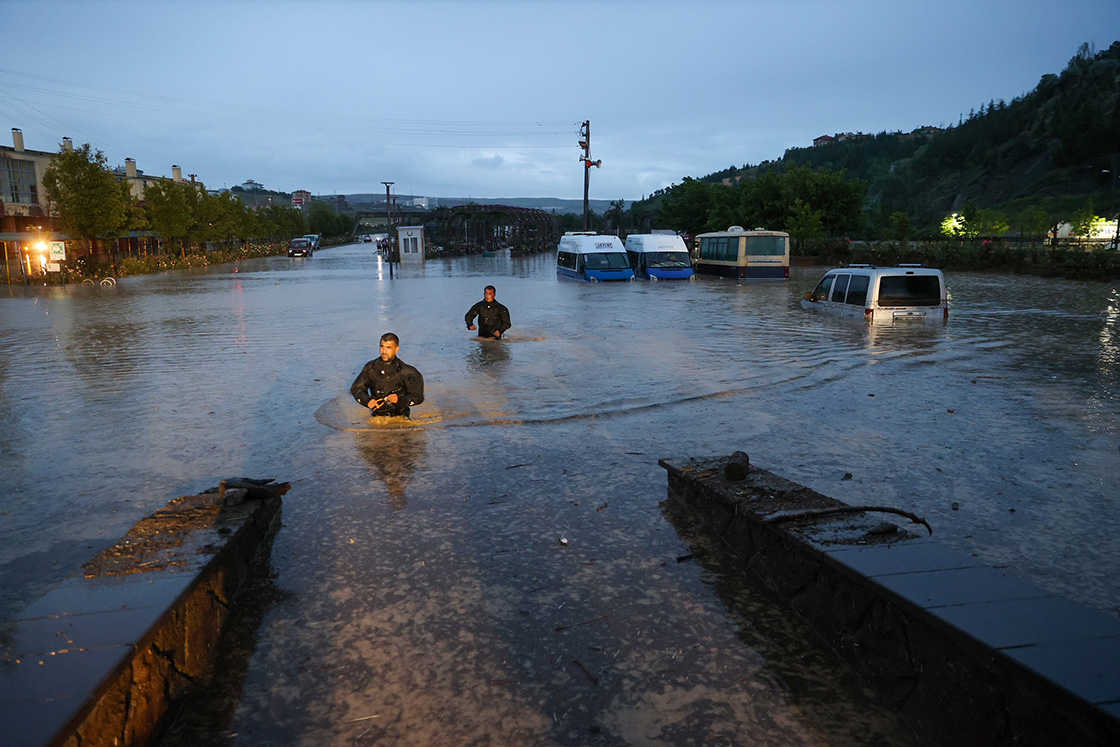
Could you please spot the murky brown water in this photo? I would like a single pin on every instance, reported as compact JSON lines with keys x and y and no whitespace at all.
{"x":419,"y":592}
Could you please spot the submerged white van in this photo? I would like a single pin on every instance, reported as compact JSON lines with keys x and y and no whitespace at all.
{"x":585,"y":255}
{"x":883,"y":295}
{"x":657,"y":256}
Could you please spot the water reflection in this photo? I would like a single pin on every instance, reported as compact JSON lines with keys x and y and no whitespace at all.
{"x":817,"y":681}
{"x":1000,"y":428}
{"x":395,"y":456}
{"x":489,"y":358}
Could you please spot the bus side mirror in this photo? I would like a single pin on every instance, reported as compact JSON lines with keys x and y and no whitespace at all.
{"x":808,"y":296}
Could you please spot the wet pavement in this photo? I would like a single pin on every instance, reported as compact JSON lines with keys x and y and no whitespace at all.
{"x":419,"y":591}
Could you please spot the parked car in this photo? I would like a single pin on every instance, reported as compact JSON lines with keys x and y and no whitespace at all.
{"x":882,"y":295}
{"x":301,"y":248}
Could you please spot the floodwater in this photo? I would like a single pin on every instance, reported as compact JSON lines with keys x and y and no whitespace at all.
{"x":419,"y":591}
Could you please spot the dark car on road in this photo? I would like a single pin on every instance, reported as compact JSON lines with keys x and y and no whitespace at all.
{"x":300,"y":248}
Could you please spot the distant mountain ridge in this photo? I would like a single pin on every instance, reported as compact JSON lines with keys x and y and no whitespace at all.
{"x":1053,"y":149}
{"x":548,"y":204}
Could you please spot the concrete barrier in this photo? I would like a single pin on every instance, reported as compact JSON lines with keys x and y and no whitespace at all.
{"x":964,"y":653}
{"x":100,"y":658}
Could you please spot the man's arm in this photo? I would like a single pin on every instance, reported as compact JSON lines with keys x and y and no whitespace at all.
{"x":359,"y":390}
{"x":413,"y":388}
{"x":472,"y":312}
{"x":503,"y":319}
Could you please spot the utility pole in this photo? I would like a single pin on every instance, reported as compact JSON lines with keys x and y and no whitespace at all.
{"x":585,"y":143}
{"x":389,"y":224}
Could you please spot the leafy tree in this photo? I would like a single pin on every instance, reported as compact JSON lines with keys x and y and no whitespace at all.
{"x":900,"y":225}
{"x":686,"y":208}
{"x":1085,"y":220}
{"x":283,"y":221}
{"x":989,"y":223}
{"x":321,"y":218}
{"x":169,"y":211}
{"x":640,"y":217}
{"x":804,"y":223}
{"x":954,"y":226}
{"x":614,"y":213}
{"x":84,"y":194}
{"x":1034,"y":221}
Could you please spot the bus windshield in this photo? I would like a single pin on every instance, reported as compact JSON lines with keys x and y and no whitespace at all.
{"x":667,"y":260}
{"x":612,"y":261}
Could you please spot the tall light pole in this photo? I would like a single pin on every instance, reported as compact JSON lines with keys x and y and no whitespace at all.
{"x":585,"y":143}
{"x":389,"y":224}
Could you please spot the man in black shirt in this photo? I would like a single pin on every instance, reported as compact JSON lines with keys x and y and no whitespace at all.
{"x":387,"y":385}
{"x":493,"y":318}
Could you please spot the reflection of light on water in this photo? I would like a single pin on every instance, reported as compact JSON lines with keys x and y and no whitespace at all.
{"x":395,"y":456}
{"x":1109,"y":353}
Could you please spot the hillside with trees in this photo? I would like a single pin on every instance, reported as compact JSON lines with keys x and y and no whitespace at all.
{"x":1017,"y":167}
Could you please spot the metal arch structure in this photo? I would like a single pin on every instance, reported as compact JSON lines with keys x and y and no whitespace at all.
{"x":473,"y":228}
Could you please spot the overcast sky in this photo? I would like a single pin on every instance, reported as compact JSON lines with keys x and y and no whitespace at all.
{"x":484,"y":99}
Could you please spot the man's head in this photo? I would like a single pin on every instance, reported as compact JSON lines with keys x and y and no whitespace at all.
{"x":390,"y":344}
{"x":488,"y":293}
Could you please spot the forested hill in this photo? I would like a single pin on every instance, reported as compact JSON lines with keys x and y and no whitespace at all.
{"x":1054,"y":148}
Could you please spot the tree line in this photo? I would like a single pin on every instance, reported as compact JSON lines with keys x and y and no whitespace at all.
{"x":805,"y":203}
{"x":1047,"y":157}
{"x":91,"y":204}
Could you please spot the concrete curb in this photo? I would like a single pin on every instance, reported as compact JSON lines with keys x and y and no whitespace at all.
{"x":962,"y":652}
{"x":99,"y":659}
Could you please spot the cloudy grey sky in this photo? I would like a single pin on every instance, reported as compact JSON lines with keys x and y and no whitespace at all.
{"x":484,"y":99}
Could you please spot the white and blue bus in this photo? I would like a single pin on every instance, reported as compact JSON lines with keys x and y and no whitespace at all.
{"x":584,"y":255}
{"x":656,"y":256}
{"x":742,"y":254}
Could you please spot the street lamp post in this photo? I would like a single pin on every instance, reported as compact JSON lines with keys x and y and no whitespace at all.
{"x":585,"y":143}
{"x":389,"y":224}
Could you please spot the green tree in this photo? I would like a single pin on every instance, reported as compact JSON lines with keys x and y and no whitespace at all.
{"x":1034,"y":221}
{"x":686,"y":207}
{"x":900,"y":225}
{"x":84,"y":194}
{"x":804,"y":223}
{"x":954,"y":226}
{"x":230,"y":218}
{"x":614,"y":214}
{"x":989,"y":223}
{"x":321,"y":217}
{"x":169,"y":211}
{"x":1085,"y":218}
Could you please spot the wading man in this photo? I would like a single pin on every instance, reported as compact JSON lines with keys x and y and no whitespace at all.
{"x":387,"y":385}
{"x":493,"y":318}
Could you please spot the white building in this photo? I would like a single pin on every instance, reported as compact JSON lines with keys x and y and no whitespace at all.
{"x":410,"y":239}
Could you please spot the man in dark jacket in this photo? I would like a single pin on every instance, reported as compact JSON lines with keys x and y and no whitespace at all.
{"x":387,"y":385}
{"x":493,"y":318}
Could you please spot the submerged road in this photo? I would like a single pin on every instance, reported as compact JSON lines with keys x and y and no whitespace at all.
{"x":419,"y":591}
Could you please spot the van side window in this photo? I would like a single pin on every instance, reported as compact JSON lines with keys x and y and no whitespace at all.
{"x":566,"y":259}
{"x":820,"y":293}
{"x":840,"y":288}
{"x":857,"y":290}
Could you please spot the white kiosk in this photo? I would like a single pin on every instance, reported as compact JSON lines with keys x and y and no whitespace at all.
{"x":410,"y":239}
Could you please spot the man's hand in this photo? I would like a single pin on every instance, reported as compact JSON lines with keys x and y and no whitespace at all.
{"x":375,"y":404}
{"x":498,"y":334}
{"x":472,"y":327}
